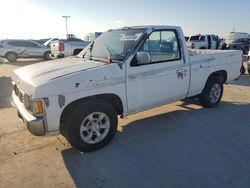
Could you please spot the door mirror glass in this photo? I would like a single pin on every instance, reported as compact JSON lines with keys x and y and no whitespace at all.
{"x":143,"y":58}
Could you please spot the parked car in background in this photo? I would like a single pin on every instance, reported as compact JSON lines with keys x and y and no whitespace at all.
{"x":241,"y":44}
{"x":125,"y":71}
{"x":67,"y":47}
{"x":233,"y":36}
{"x":245,"y":69}
{"x":248,"y":60}
{"x":203,"y":42}
{"x":13,"y":49}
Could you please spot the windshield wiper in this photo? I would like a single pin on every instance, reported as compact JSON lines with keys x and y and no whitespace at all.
{"x":112,"y":55}
{"x":109,"y":53}
{"x":88,"y":49}
{"x":91,"y":46}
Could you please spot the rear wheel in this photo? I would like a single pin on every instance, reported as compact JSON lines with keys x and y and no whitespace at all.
{"x":245,"y":51}
{"x":47,"y":56}
{"x":91,"y":125}
{"x":212,"y":93}
{"x":11,"y":56}
{"x":77,"y":51}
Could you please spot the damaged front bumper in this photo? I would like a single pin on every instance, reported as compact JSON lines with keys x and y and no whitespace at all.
{"x":35,"y":125}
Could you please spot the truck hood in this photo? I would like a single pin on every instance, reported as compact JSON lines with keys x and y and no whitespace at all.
{"x":45,"y":71}
{"x":41,"y":73}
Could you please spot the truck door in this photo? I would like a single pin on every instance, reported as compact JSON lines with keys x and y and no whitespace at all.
{"x":213,"y":42}
{"x":209,"y":42}
{"x":164,"y":79}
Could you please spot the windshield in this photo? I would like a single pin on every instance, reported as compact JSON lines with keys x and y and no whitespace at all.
{"x":197,"y":38}
{"x":113,"y":44}
{"x":49,"y":41}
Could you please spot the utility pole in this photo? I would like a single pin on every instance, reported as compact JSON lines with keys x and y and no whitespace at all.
{"x":66,"y":21}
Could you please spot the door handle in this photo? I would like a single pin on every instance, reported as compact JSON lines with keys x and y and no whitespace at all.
{"x":179,"y":71}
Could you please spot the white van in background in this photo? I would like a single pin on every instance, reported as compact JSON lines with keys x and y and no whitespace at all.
{"x":233,"y":36}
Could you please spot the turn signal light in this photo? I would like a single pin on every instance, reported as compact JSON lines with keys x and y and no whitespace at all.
{"x":39,"y":106}
{"x":61,"y":46}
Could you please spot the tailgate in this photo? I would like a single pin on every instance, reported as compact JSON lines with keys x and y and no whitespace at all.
{"x":55,"y":47}
{"x":189,"y":44}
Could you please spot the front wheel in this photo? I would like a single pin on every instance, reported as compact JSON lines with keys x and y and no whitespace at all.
{"x":212,"y":93}
{"x":91,"y":125}
{"x":11,"y":56}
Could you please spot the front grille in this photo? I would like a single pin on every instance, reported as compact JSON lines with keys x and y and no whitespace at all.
{"x":16,"y":90}
{"x":21,"y":97}
{"x":18,"y":93}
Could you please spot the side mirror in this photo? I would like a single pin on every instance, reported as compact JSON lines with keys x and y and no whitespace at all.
{"x":143,"y":58}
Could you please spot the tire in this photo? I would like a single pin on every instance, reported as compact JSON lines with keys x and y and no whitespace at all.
{"x":242,"y":69}
{"x":212,"y":93}
{"x":11,"y":56}
{"x":245,"y":51}
{"x":77,"y":51}
{"x":47,"y":55}
{"x":224,"y":46}
{"x":86,"y":120}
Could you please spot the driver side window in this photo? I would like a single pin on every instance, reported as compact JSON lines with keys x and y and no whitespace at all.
{"x":162,"y":46}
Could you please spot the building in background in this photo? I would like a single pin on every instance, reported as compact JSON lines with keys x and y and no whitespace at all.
{"x":92,"y":36}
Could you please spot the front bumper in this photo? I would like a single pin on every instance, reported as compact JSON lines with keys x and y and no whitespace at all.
{"x":35,"y":125}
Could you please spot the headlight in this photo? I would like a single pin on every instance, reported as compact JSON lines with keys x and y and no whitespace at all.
{"x":27,"y":101}
{"x":36,"y":107}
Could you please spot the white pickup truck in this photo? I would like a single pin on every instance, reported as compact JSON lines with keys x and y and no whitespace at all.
{"x":203,"y":42}
{"x":124,"y":71}
{"x":67,"y":47}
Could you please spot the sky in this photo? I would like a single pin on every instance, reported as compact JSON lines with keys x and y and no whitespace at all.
{"x":36,"y":19}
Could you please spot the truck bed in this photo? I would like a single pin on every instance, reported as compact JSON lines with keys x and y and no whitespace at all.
{"x":203,"y":62}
